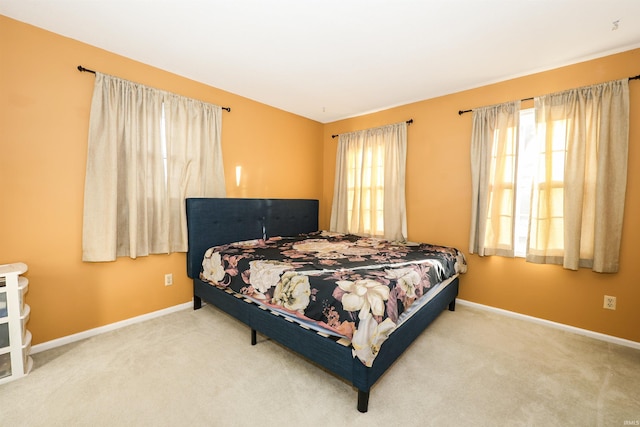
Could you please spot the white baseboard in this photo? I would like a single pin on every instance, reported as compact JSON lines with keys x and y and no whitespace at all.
{"x":117,"y":325}
{"x":107,"y":328}
{"x":573,"y":329}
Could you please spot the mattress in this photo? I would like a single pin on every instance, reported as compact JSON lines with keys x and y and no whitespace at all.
{"x":356,"y":288}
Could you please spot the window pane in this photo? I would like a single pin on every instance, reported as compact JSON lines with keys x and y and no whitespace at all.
{"x":526,"y":168}
{"x":365,"y":182}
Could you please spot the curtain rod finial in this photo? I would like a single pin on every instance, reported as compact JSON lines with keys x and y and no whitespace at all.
{"x":82,"y":69}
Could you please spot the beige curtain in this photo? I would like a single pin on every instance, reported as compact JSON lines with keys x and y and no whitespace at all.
{"x":369,"y":189}
{"x":147,"y":151}
{"x":580,"y":184}
{"x":494,"y":145}
{"x":194,"y":154}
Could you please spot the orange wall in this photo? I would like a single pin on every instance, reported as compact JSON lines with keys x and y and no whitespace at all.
{"x":44,"y":115}
{"x":439,"y":201}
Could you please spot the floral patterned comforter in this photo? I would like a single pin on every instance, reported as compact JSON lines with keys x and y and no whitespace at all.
{"x":354,"y":286}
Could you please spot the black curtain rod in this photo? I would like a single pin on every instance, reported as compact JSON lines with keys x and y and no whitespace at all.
{"x":86,"y":70}
{"x":461,"y":112}
{"x":408,"y":122}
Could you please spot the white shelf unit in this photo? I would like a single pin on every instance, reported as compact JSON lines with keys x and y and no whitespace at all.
{"x":15,"y":339}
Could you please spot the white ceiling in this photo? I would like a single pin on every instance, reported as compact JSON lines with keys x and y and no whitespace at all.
{"x":332,"y":59}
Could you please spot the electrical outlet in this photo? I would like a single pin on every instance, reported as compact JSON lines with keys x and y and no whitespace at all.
{"x":168,"y":279}
{"x":609,"y":302}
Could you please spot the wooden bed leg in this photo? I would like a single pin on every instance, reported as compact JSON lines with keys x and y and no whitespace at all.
{"x":363,"y":401}
{"x":254,"y":338}
{"x":452,"y":305}
{"x":197,"y":302}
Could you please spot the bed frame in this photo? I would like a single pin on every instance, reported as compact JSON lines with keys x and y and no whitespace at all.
{"x":217,"y":221}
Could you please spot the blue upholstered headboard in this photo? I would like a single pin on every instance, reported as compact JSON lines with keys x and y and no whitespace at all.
{"x":217,"y":221}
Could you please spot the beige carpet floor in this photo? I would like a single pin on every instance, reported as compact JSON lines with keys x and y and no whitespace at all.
{"x":197,"y":368}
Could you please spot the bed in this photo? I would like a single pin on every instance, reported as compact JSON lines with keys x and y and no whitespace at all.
{"x":231,"y":232}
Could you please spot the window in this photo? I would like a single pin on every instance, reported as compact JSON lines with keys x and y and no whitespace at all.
{"x":529,"y":159}
{"x":550,"y":185}
{"x":524,"y":179}
{"x":366,"y":177}
{"x":148,"y":150}
{"x":369,"y":194}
